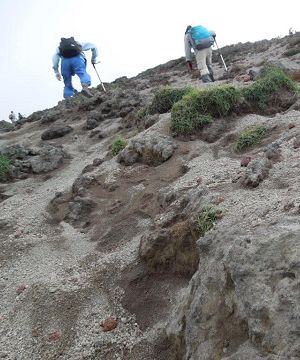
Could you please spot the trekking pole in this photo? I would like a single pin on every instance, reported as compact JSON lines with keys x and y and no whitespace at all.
{"x":99,"y":78}
{"x":225,"y":67}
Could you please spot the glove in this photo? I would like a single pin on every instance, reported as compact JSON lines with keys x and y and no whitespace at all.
{"x":58,"y":76}
{"x":189,"y":65}
{"x":95,"y":61}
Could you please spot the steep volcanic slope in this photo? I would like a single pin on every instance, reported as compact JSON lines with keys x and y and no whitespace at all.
{"x":87,"y":236}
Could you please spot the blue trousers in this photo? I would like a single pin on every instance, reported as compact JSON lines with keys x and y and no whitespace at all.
{"x":70,"y":67}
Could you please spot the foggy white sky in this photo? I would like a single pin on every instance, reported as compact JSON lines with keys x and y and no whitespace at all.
{"x":131,"y":35}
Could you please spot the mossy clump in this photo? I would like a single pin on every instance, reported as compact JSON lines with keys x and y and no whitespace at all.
{"x":142,"y":113}
{"x":291,"y":52}
{"x":271,"y":80}
{"x":251,"y":136}
{"x":6,"y":125}
{"x":118,"y":144}
{"x":206,"y":220}
{"x":5,"y":165}
{"x":199,"y":107}
{"x":165,"y":98}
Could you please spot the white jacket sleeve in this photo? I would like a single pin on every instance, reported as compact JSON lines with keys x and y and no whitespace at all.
{"x":55,"y":61}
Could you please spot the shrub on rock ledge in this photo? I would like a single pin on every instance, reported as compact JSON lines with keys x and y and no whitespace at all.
{"x":118,"y":144}
{"x":271,"y":80}
{"x":199,"y":107}
{"x":165,"y":98}
{"x":5,"y":165}
{"x":251,"y":136}
{"x":207,"y":219}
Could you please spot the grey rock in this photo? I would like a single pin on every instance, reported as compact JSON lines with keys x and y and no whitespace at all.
{"x":15,"y":151}
{"x":51,"y":117}
{"x":49,"y":158}
{"x":148,"y":148}
{"x":56,"y":132}
{"x":91,"y":124}
{"x":273,"y":152}
{"x":244,"y":299}
{"x":256,"y":172}
{"x":296,"y":143}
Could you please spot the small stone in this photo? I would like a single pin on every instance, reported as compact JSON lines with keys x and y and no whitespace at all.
{"x":199,"y":180}
{"x":21,"y":288}
{"x":54,"y":335}
{"x":97,"y":162}
{"x":245,"y":161}
{"x":218,"y":200}
{"x":109,"y":324}
{"x":291,"y":126}
{"x":18,"y":234}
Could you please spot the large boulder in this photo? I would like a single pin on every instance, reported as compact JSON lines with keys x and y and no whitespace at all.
{"x":149,"y":148}
{"x":49,"y":158}
{"x":243,"y":302}
{"x":51,"y":116}
{"x":25,"y":160}
{"x":56,"y":132}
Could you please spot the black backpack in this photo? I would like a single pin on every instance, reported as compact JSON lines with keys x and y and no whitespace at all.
{"x":69,"y":47}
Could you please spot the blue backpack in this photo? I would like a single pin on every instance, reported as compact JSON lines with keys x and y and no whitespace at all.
{"x":201,"y":38}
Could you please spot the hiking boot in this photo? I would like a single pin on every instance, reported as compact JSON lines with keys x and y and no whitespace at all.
{"x":85,"y":91}
{"x":211,"y":73}
{"x":206,"y":78}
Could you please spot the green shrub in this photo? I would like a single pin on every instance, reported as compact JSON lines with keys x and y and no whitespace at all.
{"x":251,"y":136}
{"x":207,"y":219}
{"x":165,"y":98}
{"x":291,"y":52}
{"x":200,"y":106}
{"x":6,"y":125}
{"x":118,"y":144}
{"x":294,"y":41}
{"x":271,"y":80}
{"x":4,"y":166}
{"x":142,"y":113}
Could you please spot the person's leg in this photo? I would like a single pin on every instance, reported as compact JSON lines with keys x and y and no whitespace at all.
{"x":66,"y":71}
{"x":209,"y":63}
{"x":201,"y":64}
{"x":79,"y":66}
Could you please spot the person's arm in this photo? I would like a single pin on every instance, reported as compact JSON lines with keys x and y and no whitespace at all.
{"x":90,"y":46}
{"x":188,"y":51}
{"x":213,"y":33}
{"x":187,"y":48}
{"x":55,"y":62}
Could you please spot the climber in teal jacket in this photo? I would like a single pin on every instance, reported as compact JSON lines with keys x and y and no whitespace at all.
{"x":200,"y":40}
{"x":73,"y":61}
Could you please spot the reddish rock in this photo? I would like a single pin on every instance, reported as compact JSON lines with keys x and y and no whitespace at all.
{"x":20,"y":289}
{"x":109,"y":324}
{"x":291,"y":126}
{"x":245,"y":161}
{"x":54,"y":335}
{"x":199,"y":180}
{"x":218,"y":200}
{"x":35,"y":332}
{"x":18,"y":234}
{"x":243,"y":78}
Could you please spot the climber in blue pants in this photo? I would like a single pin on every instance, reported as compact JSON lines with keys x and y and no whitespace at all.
{"x":73,"y":62}
{"x":70,"y":67}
